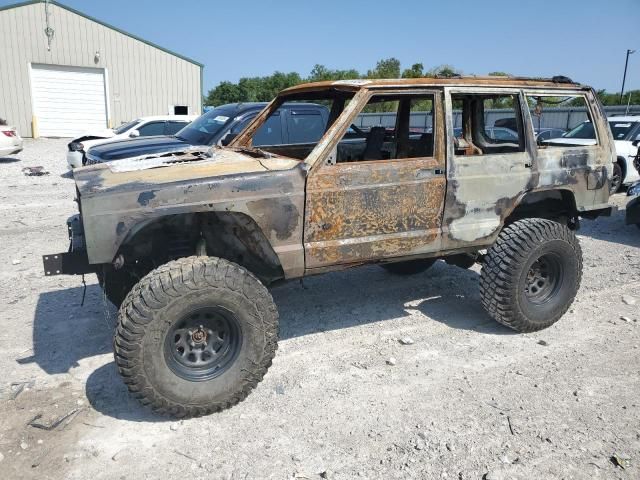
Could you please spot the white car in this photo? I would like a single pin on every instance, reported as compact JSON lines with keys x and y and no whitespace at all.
{"x":10,"y":141}
{"x":141,"y":127}
{"x":626,"y":136}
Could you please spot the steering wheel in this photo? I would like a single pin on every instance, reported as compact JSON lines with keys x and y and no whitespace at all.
{"x":359,"y":131}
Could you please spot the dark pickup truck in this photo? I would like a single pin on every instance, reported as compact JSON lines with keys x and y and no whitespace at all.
{"x":292,"y":124}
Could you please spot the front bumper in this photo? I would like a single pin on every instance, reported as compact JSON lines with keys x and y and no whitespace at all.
{"x":10,"y":149}
{"x":74,"y":158}
{"x":73,"y":262}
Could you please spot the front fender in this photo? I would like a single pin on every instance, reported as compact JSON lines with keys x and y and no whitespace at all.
{"x":274,"y":199}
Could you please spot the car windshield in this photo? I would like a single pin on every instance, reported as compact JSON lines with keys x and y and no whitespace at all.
{"x":126,"y":126}
{"x":620,"y":130}
{"x":584,"y":130}
{"x":206,"y":129}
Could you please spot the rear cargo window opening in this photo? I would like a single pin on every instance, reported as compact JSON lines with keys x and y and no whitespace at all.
{"x":578,"y":123}
{"x":484,"y":134}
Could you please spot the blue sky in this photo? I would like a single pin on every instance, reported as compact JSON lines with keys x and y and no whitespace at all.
{"x":583,"y":39}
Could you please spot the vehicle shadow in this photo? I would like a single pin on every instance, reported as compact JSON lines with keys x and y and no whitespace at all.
{"x":338,"y":300}
{"x":108,"y":395}
{"x":612,"y":229}
{"x":9,"y":160}
{"x":66,"y":333}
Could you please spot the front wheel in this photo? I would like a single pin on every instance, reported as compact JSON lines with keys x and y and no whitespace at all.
{"x":116,"y":284}
{"x":531,"y":274}
{"x":195,"y":336}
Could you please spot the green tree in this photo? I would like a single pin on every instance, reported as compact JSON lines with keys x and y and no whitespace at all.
{"x":443,"y":71}
{"x":386,"y":68}
{"x":416,"y":71}
{"x":225,"y":92}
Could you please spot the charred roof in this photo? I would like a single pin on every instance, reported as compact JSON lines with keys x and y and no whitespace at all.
{"x":483,"y":81}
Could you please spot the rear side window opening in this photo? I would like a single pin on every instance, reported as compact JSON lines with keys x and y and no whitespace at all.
{"x":481,"y":134}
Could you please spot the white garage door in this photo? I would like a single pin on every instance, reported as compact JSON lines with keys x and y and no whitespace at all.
{"x":68,"y":100}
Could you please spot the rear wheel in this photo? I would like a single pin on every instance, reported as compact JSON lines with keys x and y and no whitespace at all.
{"x":616,"y":179}
{"x":409,"y":267}
{"x":195,"y":336}
{"x":531,"y":274}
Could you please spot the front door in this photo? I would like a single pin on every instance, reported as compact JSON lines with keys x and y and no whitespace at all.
{"x":381,"y":194}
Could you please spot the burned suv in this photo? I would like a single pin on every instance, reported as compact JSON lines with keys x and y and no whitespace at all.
{"x":187,"y":245}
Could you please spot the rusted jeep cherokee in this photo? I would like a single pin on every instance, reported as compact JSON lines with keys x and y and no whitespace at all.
{"x":399,"y":173}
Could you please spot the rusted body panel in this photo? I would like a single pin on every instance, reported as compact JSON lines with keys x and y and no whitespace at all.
{"x":268,"y":190}
{"x":360,"y":211}
{"x":318,"y":215}
{"x":482,"y":191}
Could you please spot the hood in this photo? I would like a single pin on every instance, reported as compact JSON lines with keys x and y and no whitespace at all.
{"x":136,"y":147}
{"x":101,"y":133}
{"x":195,"y":164}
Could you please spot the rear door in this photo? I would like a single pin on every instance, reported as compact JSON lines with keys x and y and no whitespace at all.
{"x":485,"y":175}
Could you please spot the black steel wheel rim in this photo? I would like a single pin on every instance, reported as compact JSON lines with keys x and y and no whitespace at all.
{"x":544,"y":279}
{"x":203,"y":344}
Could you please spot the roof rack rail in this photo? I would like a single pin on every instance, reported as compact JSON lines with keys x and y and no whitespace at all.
{"x":561,"y":79}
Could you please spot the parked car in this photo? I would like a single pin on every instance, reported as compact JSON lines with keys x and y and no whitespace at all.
{"x":633,"y":206}
{"x":10,"y":141}
{"x":140,"y":127}
{"x":626,"y":131}
{"x":548,"y":133}
{"x":219,"y":126}
{"x":187,"y":245}
{"x":494,"y":133}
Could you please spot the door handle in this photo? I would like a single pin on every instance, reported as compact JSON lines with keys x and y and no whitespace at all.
{"x":429,"y":172}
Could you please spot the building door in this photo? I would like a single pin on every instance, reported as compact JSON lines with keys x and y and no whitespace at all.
{"x":68,"y":101}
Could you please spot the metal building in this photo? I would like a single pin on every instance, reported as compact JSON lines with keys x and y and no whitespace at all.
{"x":63,"y":72}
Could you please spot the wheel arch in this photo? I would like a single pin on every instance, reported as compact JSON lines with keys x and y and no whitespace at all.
{"x":231,"y":235}
{"x":552,"y":204}
{"x":623,"y":166}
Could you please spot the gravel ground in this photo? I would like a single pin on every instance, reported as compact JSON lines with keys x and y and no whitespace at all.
{"x":466,"y":399}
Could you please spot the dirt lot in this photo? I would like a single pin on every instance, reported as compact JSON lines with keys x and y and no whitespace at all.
{"x":468,"y":399}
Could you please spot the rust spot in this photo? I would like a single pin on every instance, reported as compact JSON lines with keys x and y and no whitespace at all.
{"x":145,"y":197}
{"x":277,"y":215}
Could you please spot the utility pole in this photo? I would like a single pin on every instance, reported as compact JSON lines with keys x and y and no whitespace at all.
{"x":624,"y":76}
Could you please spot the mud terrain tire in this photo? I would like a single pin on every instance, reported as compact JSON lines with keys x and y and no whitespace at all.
{"x":410,"y":267}
{"x":171,"y":323}
{"x":116,"y":284}
{"x":616,"y":179}
{"x":531,"y":274}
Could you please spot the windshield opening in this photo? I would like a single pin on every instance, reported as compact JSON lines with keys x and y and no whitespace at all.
{"x":296,"y":122}
{"x":620,"y":130}
{"x":583,"y":131}
{"x":126,"y":126}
